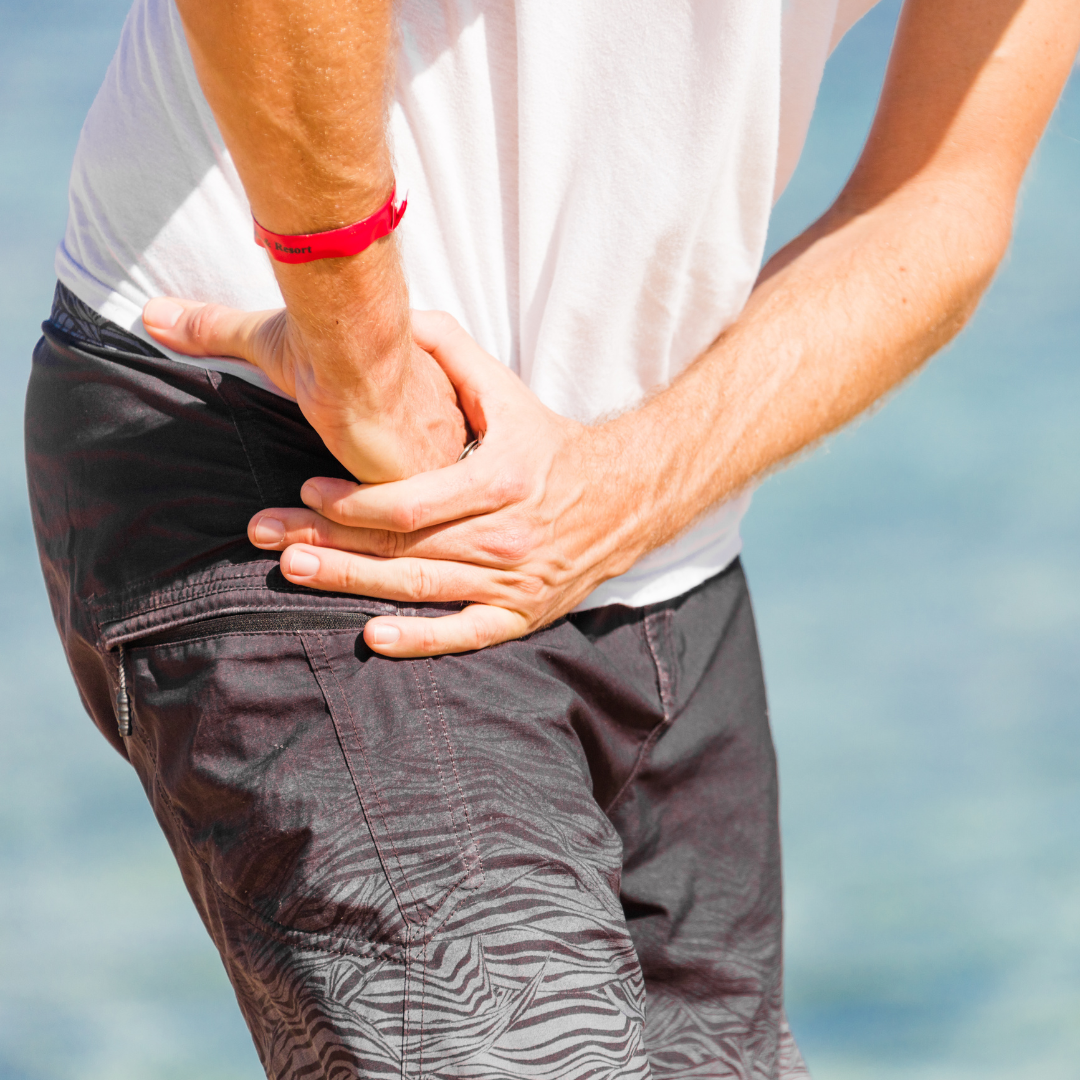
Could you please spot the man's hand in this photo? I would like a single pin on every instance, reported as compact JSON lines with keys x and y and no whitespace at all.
{"x":401,"y":418}
{"x":531,"y":523}
{"x":523,"y":529}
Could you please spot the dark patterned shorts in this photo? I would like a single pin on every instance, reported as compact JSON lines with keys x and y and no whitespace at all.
{"x":556,"y":858}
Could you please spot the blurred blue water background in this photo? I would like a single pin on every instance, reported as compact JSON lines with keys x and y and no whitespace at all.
{"x":917,"y":584}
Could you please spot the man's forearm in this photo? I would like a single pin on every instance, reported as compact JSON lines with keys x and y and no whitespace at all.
{"x":300,"y":90}
{"x":858,"y":305}
{"x":886,"y":278}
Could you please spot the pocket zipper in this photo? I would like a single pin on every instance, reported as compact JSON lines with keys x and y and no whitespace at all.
{"x":123,"y":705}
{"x":250,"y":623}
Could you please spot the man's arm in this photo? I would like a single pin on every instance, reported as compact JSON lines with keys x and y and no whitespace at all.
{"x":300,"y":89}
{"x":547,"y":509}
{"x":896,"y":267}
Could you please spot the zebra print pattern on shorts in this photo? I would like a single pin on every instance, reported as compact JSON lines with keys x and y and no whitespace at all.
{"x":398,"y":893}
{"x":533,"y":988}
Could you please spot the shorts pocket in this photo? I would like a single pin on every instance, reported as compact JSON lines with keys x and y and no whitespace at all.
{"x":298,"y":774}
{"x":393,"y":732}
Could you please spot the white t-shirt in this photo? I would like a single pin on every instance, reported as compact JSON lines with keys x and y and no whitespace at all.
{"x":589,"y":184}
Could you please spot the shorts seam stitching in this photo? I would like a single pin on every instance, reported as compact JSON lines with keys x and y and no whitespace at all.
{"x":438,"y":762}
{"x":169,"y":597}
{"x":371,"y":778}
{"x":453,"y":764}
{"x":658,"y":729}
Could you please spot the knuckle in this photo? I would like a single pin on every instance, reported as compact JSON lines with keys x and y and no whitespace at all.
{"x":380,"y":543}
{"x":486,"y":634}
{"x":351,"y":577}
{"x":405,"y":517}
{"x":508,"y":487}
{"x":395,"y":545}
{"x":530,"y":585}
{"x":484,"y":630}
{"x":421,"y":580}
{"x":319,"y":533}
{"x":203,"y":323}
{"x":510,"y":543}
{"x":429,"y":637}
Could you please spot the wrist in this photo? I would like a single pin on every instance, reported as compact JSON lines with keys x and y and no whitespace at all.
{"x":387,"y":424}
{"x":338,"y":243}
{"x":315,"y":191}
{"x":620,"y":493}
{"x":653,"y":458}
{"x":351,"y":314}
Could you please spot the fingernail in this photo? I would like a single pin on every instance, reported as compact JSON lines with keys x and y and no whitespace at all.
{"x":384,"y":634}
{"x":311,"y":496}
{"x":302,"y":564}
{"x":162,"y":314}
{"x":269,"y":530}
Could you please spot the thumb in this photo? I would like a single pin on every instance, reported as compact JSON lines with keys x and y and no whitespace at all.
{"x":474,"y":373}
{"x":195,"y":329}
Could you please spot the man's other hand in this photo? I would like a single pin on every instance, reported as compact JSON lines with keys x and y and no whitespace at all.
{"x":523,"y":529}
{"x":383,"y":417}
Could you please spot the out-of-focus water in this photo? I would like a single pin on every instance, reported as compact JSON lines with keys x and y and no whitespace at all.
{"x":918,"y":589}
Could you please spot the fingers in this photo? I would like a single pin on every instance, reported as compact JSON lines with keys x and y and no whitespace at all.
{"x":408,"y":580}
{"x":477,"y":627}
{"x":470,"y":487}
{"x":416,"y":580}
{"x":474,"y":372}
{"x":279,"y":528}
{"x":276,"y":529}
{"x":204,"y":329}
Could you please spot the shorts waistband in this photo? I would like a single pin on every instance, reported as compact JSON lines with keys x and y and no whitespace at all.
{"x":78,"y":320}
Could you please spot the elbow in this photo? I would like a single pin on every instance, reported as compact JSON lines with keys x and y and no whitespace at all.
{"x":980,"y":231}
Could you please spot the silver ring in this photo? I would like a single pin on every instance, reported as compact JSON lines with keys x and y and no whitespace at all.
{"x":471,"y":447}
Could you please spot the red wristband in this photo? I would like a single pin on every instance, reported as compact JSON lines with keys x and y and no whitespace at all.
{"x":337,"y":243}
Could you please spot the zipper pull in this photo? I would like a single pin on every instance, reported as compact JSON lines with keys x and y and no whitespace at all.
{"x":123,"y":705}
